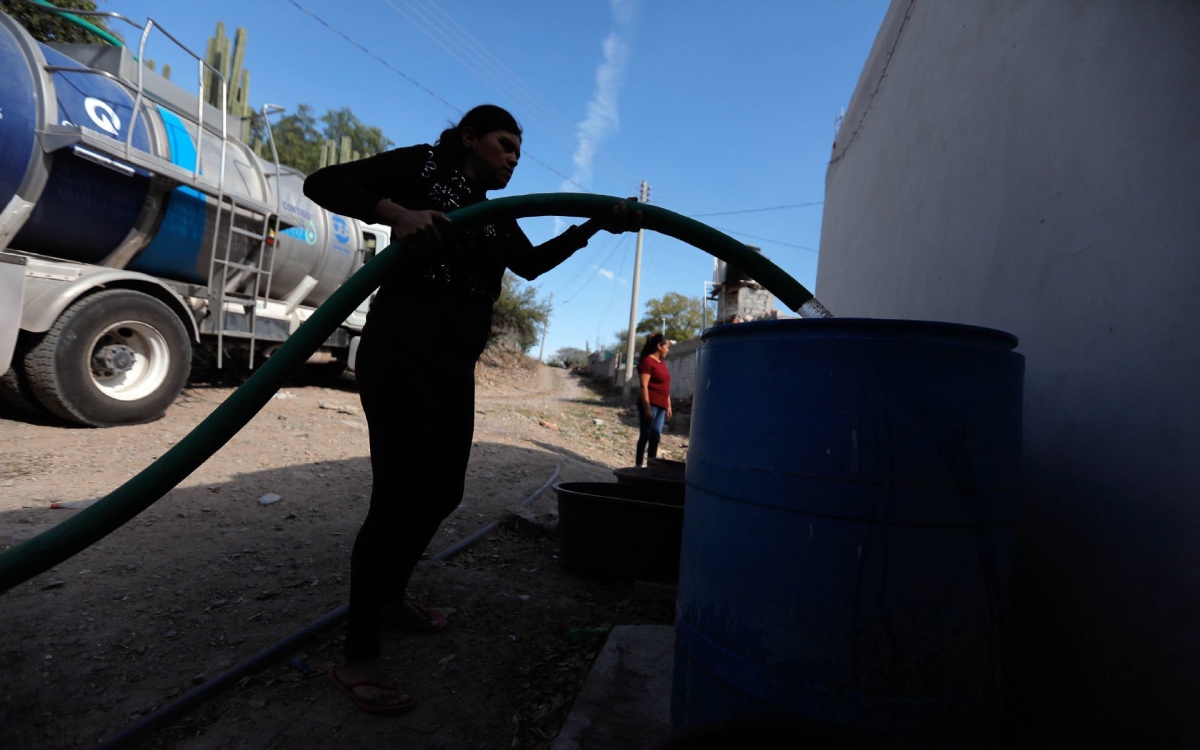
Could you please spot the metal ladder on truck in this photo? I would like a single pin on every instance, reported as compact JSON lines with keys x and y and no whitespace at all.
{"x":249,"y":283}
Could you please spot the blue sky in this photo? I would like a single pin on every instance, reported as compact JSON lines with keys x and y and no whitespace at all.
{"x":719,"y":106}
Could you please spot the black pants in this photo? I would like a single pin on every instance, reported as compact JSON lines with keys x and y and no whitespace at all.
{"x":405,"y":390}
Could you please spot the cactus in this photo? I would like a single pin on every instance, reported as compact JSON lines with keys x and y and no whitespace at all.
{"x":166,"y":71}
{"x":220,"y":57}
{"x":331,"y":153}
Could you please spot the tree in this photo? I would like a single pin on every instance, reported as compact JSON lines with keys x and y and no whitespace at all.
{"x":683,"y":316}
{"x":48,"y":26}
{"x":299,"y":139}
{"x":517,"y":315}
{"x":366,"y":140}
{"x":571,"y":356}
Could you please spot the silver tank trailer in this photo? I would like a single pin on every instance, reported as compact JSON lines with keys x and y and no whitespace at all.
{"x":315,"y":250}
{"x":84,"y":211}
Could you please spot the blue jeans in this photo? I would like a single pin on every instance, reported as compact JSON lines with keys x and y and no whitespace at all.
{"x":651,"y":430}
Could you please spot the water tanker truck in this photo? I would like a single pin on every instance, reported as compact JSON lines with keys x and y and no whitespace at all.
{"x":137,"y":232}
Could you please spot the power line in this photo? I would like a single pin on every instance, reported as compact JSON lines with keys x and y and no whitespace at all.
{"x":418,"y":84}
{"x":613,"y":295}
{"x":583,"y":266}
{"x":387,"y":64}
{"x":756,"y":210}
{"x":767,"y":239}
{"x":447,"y":33}
{"x":650,"y":263}
{"x":555,"y":171}
{"x":583,"y":286}
{"x":435,"y":22}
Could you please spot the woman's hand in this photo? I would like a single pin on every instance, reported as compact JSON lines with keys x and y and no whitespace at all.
{"x":418,"y":229}
{"x":669,"y":413}
{"x":644,"y":393}
{"x":623,"y":221}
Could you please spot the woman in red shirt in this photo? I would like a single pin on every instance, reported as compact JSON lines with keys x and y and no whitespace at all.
{"x":654,"y":402}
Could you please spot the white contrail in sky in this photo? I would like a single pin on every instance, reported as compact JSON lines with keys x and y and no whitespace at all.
{"x":606,"y":273}
{"x":602,"y":112}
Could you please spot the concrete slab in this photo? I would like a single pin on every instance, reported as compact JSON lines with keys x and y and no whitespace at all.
{"x":625,"y":703}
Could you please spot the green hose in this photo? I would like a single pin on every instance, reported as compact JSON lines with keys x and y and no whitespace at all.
{"x":87,"y":25}
{"x":97,"y":521}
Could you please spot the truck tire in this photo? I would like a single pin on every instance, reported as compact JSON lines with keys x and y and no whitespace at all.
{"x":16,"y":398}
{"x":112,"y":358}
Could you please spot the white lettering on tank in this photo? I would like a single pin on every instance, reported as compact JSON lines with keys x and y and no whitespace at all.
{"x":103,"y":115}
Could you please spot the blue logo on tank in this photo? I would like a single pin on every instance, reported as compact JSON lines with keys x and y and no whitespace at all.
{"x":341,"y":230}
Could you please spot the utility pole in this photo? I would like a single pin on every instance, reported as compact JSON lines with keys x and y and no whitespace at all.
{"x":545,"y":327}
{"x":644,"y":197}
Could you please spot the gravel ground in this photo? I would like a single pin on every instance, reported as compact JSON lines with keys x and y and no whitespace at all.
{"x":209,"y":576}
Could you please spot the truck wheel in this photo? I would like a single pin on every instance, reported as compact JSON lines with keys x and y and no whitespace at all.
{"x":15,"y":395}
{"x":114,"y":357}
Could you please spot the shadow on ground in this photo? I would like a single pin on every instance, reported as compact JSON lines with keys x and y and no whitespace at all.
{"x":208,"y":577}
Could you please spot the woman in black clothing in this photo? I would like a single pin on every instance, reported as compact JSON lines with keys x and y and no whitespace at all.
{"x":423,"y":374}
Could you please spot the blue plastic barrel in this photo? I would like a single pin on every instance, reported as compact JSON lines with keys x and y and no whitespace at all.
{"x":848,"y":534}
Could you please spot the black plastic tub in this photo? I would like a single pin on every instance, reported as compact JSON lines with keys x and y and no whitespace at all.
{"x":666,"y":463}
{"x":667,"y":479}
{"x":619,"y":529}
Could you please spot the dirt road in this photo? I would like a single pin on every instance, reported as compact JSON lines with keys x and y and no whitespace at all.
{"x":208,"y":577}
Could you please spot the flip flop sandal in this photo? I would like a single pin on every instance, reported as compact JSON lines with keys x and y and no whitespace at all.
{"x":373,"y":708}
{"x":430,"y":620}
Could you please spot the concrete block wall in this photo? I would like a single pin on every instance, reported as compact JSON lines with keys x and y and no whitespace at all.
{"x":681,"y":362}
{"x":601,"y":367}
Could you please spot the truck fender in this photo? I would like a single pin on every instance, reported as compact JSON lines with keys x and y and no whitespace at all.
{"x":12,"y":292}
{"x":51,"y":287}
{"x":352,"y":360}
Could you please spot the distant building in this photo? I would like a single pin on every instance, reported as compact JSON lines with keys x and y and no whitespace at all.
{"x":739,"y":298}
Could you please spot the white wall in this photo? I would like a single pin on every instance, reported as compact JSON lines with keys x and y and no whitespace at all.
{"x":681,"y":362}
{"x":1034,"y":166}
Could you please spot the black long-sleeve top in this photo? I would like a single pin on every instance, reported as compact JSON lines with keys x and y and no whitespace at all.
{"x":459,"y":286}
